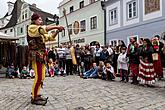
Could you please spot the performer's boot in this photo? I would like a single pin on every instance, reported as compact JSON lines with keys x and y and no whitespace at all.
{"x":40,"y":97}
{"x":38,"y":102}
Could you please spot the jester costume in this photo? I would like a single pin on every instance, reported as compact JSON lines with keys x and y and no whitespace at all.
{"x":37,"y":35}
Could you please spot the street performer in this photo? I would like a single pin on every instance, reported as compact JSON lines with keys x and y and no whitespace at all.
{"x":37,"y":35}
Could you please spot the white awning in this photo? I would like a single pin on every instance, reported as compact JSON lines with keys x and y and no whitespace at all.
{"x":7,"y":37}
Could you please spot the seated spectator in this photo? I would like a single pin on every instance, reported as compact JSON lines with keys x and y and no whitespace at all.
{"x":109,"y":71}
{"x":101,"y":70}
{"x":24,"y":73}
{"x":11,"y":73}
{"x":3,"y":71}
{"x":31,"y":73}
{"x":92,"y":73}
{"x":56,"y":69}
{"x":82,"y":69}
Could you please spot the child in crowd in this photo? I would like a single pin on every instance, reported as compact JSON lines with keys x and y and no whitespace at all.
{"x":101,"y":70}
{"x":56,"y":69}
{"x":31,"y":73}
{"x":109,"y":71}
{"x":82,"y":69}
{"x":123,"y":64}
{"x":51,"y":68}
{"x":24,"y":73}
{"x":11,"y":73}
{"x":92,"y":73}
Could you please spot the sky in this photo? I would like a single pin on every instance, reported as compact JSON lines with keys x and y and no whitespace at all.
{"x":45,"y":5}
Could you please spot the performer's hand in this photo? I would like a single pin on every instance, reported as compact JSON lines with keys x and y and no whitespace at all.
{"x":61,"y":28}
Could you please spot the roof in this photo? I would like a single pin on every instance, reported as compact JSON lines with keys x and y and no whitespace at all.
{"x":15,"y":13}
{"x":43,"y":14}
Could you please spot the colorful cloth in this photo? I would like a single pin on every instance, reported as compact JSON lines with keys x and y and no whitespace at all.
{"x":146,"y":74}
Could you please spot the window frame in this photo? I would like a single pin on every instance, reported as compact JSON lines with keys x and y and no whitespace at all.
{"x":115,"y":19}
{"x":81,"y":4}
{"x":83,"y":29}
{"x":133,"y":10}
{"x":71,"y":9}
{"x":93,"y":25}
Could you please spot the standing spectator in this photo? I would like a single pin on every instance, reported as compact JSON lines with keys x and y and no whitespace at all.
{"x":97,"y":53}
{"x":69,"y":64}
{"x":51,"y":54}
{"x":114,"y":59}
{"x":123,"y":65}
{"x":110,"y":50}
{"x":62,"y":57}
{"x":158,"y":49}
{"x":132,"y":54}
{"x":104,"y":54}
{"x":147,"y":73}
{"x":82,"y":69}
{"x":78,"y":54}
{"x":156,"y":58}
{"x":88,"y":57}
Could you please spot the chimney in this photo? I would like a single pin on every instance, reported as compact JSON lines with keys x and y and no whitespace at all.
{"x":10,"y":7}
{"x":34,"y":5}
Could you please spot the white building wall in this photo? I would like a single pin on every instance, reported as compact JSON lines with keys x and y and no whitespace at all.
{"x":153,"y":14}
{"x":109,"y":8}
{"x":125,"y":14}
{"x":85,"y":13}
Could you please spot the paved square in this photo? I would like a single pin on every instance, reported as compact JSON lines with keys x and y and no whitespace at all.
{"x":74,"y":93}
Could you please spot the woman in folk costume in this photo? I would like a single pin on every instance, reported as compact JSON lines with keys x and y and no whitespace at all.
{"x":146,"y":71}
{"x":156,"y":58}
{"x":37,"y":35}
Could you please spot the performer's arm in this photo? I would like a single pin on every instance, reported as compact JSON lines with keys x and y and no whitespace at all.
{"x":49,"y":28}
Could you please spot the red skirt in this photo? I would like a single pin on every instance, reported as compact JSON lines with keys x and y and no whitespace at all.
{"x":134,"y":69}
{"x":158,"y":67}
{"x":146,"y":73}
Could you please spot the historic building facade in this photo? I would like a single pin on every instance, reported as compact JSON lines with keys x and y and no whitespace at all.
{"x":18,"y":17}
{"x":85,"y":19}
{"x":138,"y":18}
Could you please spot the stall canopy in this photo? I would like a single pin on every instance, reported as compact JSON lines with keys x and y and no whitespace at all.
{"x":7,"y":37}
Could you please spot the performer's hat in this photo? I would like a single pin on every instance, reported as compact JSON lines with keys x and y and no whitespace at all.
{"x":35,"y":16}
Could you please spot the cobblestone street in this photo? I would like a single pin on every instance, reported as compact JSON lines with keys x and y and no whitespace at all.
{"x":72,"y":93}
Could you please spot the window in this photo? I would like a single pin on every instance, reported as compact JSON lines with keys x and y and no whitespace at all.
{"x":81,"y":4}
{"x":71,"y":9}
{"x":21,"y":30}
{"x":63,"y":33}
{"x":70,"y":29}
{"x":152,"y":6}
{"x":5,"y":31}
{"x":83,"y":25}
{"x":132,"y":9}
{"x":93,"y":22}
{"x":11,"y":30}
{"x":25,"y":14}
{"x":113,"y":16}
{"x":92,"y":1}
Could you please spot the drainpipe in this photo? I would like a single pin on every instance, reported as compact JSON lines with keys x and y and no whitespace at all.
{"x":105,"y":28}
